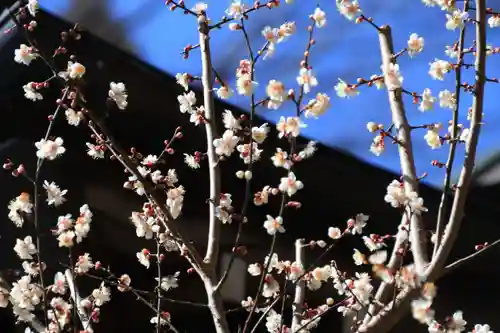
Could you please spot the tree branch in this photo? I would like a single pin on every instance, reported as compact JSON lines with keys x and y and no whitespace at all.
{"x":466,"y":259}
{"x":457,"y":210}
{"x":300,"y":287}
{"x":211,"y":257}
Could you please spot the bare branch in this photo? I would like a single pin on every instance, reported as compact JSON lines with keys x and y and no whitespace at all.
{"x":468,"y":258}
{"x":300,"y":287}
{"x":453,"y":143}
{"x":457,"y":211}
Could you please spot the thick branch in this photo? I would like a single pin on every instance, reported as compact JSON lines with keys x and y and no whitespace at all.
{"x":214,"y":296}
{"x":405,"y":151}
{"x":457,"y":210}
{"x":300,"y":287}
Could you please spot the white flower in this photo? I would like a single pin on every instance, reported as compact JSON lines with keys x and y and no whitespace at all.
{"x":84,"y":264}
{"x":75,"y":70}
{"x":245,"y":86}
{"x":25,"y":248}
{"x":392,"y":76}
{"x":48,"y":149}
{"x":169,"y":282}
{"x":415,"y":45}
{"x":494,"y":21}
{"x":175,"y":200}
{"x":55,"y":196}
{"x":60,"y":285}
{"x":186,"y":102}
{"x":319,"y":17}
{"x":143,"y":257}
{"x":66,"y":239}
{"x":286,"y":30}
{"x":24,"y":55}
{"x":290,"y":184}
{"x":451,"y":51}
{"x":101,"y":295}
{"x":456,"y":19}
{"x":224,"y":92}
{"x":144,"y":226}
{"x":358,"y":257}
{"x":273,"y":321}
{"x":230,"y":122}
{"x":31,"y":93}
{"x":280,"y":159}
{"x":118,"y":93}
{"x":192,"y":161}
{"x":359,"y":223}
{"x":290,"y":126}
{"x":428,"y":101}
{"x":421,"y":310}
{"x":415,"y":202}
{"x":254,"y":269}
{"x":345,"y":90}
{"x":334,"y":233}
{"x":395,"y":194}
{"x":464,"y":135}
{"x":225,"y":146}
{"x":306,"y":79}
{"x":439,"y":68}
{"x":150,"y":160}
{"x":378,"y":145}
{"x":308,"y":150}
{"x":236,"y":9}
{"x":275,"y":90}
{"x":273,"y":225}
{"x":482,"y":329}
{"x":318,"y":106}
{"x":447,"y":99}
{"x":457,"y":322}
{"x":18,"y":207}
{"x":74,"y":118}
{"x":33,"y":7}
{"x":259,"y":134}
{"x":183,"y":80}
{"x":200,"y":7}
{"x":349,"y":9}
{"x":95,"y":151}
{"x":433,"y":139}
{"x":271,"y":286}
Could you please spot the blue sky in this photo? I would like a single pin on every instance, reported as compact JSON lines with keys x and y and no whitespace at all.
{"x":343,"y":50}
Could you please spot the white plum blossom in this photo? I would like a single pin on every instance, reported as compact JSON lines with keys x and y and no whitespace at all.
{"x":55,"y":196}
{"x":101,"y":295}
{"x":75,"y":70}
{"x":143,"y":256}
{"x":230,"y":122}
{"x":348,"y":8}
{"x":192,"y":161}
{"x":273,"y":225}
{"x":494,"y":21}
{"x":275,"y":90}
{"x":95,"y":151}
{"x":73,"y":117}
{"x":236,"y":9}
{"x":432,"y":138}
{"x":307,"y":80}
{"x":259,"y":134}
{"x":31,"y":93}
{"x":33,"y":6}
{"x":24,"y":54}
{"x":225,"y":92}
{"x":25,"y":248}
{"x":378,"y":145}
{"x":84,"y":264}
{"x":273,"y":321}
{"x":318,"y":106}
{"x":169,"y":282}
{"x":345,"y":90}
{"x":186,"y":102}
{"x":290,"y":184}
{"x":226,"y":145}
{"x":254,"y":269}
{"x":118,"y":93}
{"x":60,"y":285}
{"x":358,"y":223}
{"x":285,"y":30}
{"x":280,"y":159}
{"x":18,"y":207}
{"x":319,"y":17}
{"x":392,"y":76}
{"x":48,"y":149}
{"x":183,"y":80}
{"x":456,"y":19}
{"x":289,"y":126}
{"x":427,"y":101}
{"x":245,"y":85}
{"x":415,"y":45}
{"x":438,"y":68}
{"x":447,"y":99}
{"x":175,"y":200}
